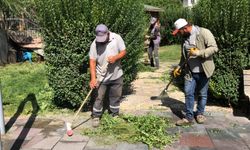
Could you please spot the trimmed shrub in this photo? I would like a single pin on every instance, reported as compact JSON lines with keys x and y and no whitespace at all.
{"x":68,"y":30}
{"x":229,"y":21}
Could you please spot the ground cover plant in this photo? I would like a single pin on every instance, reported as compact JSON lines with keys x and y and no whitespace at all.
{"x":18,"y":81}
{"x":148,"y":129}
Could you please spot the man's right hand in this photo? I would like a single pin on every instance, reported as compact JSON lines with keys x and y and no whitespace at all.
{"x":93,"y":84}
{"x":177,"y":71}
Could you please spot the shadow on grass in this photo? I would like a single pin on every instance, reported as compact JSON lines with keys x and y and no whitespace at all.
{"x":20,"y":139}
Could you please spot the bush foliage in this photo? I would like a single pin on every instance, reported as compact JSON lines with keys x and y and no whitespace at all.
{"x":229,"y":21}
{"x":68,"y":30}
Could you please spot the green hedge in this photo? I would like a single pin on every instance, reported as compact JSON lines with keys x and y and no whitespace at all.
{"x":68,"y":29}
{"x":229,"y":21}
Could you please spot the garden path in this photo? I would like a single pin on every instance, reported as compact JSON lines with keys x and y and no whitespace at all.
{"x":224,"y":128}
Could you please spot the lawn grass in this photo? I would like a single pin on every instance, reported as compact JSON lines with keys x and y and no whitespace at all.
{"x":170,"y":53}
{"x":24,"y":85}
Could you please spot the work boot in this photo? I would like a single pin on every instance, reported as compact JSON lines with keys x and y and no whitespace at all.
{"x":95,"y":122}
{"x":200,"y":119}
{"x":152,"y":62}
{"x":184,"y":122}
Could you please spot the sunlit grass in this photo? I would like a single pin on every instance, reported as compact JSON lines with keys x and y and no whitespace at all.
{"x":18,"y":81}
{"x":170,"y":53}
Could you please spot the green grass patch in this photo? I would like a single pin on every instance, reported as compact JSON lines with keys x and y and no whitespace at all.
{"x":149,"y":129}
{"x":25,"y":88}
{"x":170,"y":53}
{"x":145,"y":68}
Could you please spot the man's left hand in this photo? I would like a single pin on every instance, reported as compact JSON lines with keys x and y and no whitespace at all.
{"x":112,"y":59}
{"x":194,"y":52}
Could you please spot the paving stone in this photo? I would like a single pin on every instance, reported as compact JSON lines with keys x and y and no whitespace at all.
{"x":25,"y":133}
{"x":47,"y":143}
{"x":193,"y":140}
{"x":7,"y":143}
{"x":212,"y":122}
{"x":201,"y":148}
{"x":221,"y":134}
{"x":72,"y":145}
{"x":173,"y":130}
{"x":240,"y":120}
{"x":221,"y":122}
{"x":14,"y":144}
{"x":56,"y":123}
{"x":92,"y":145}
{"x":179,"y":147}
{"x":75,"y":137}
{"x":21,"y":122}
{"x":12,"y":129}
{"x":246,"y":138}
{"x":229,"y":144}
{"x":33,"y":141}
{"x":243,"y":128}
{"x":238,"y":129}
{"x":197,"y":129}
{"x":215,"y":114}
{"x":54,"y":130}
{"x":40,"y":123}
{"x":127,"y":146}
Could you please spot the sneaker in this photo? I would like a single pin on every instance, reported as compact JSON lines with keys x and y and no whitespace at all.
{"x":184,"y":122}
{"x":200,"y":119}
{"x":95,"y":122}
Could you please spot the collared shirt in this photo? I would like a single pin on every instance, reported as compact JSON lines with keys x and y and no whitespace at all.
{"x":100,"y":52}
{"x":194,"y":61}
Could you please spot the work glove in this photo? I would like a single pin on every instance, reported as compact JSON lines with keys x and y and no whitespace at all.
{"x":147,"y":36}
{"x":177,"y":72}
{"x":194,"y":52}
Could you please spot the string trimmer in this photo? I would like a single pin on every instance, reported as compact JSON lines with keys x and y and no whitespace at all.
{"x":101,"y":79}
{"x":164,"y":92}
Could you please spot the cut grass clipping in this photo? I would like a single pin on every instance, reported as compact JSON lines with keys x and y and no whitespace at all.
{"x":148,"y":129}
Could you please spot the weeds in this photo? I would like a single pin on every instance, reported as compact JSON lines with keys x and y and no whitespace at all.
{"x":149,"y":129}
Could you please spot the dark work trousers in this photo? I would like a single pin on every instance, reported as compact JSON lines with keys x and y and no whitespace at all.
{"x":114,"y":96}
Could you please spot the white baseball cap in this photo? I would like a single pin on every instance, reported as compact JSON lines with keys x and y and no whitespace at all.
{"x":101,"y":32}
{"x":178,"y":24}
